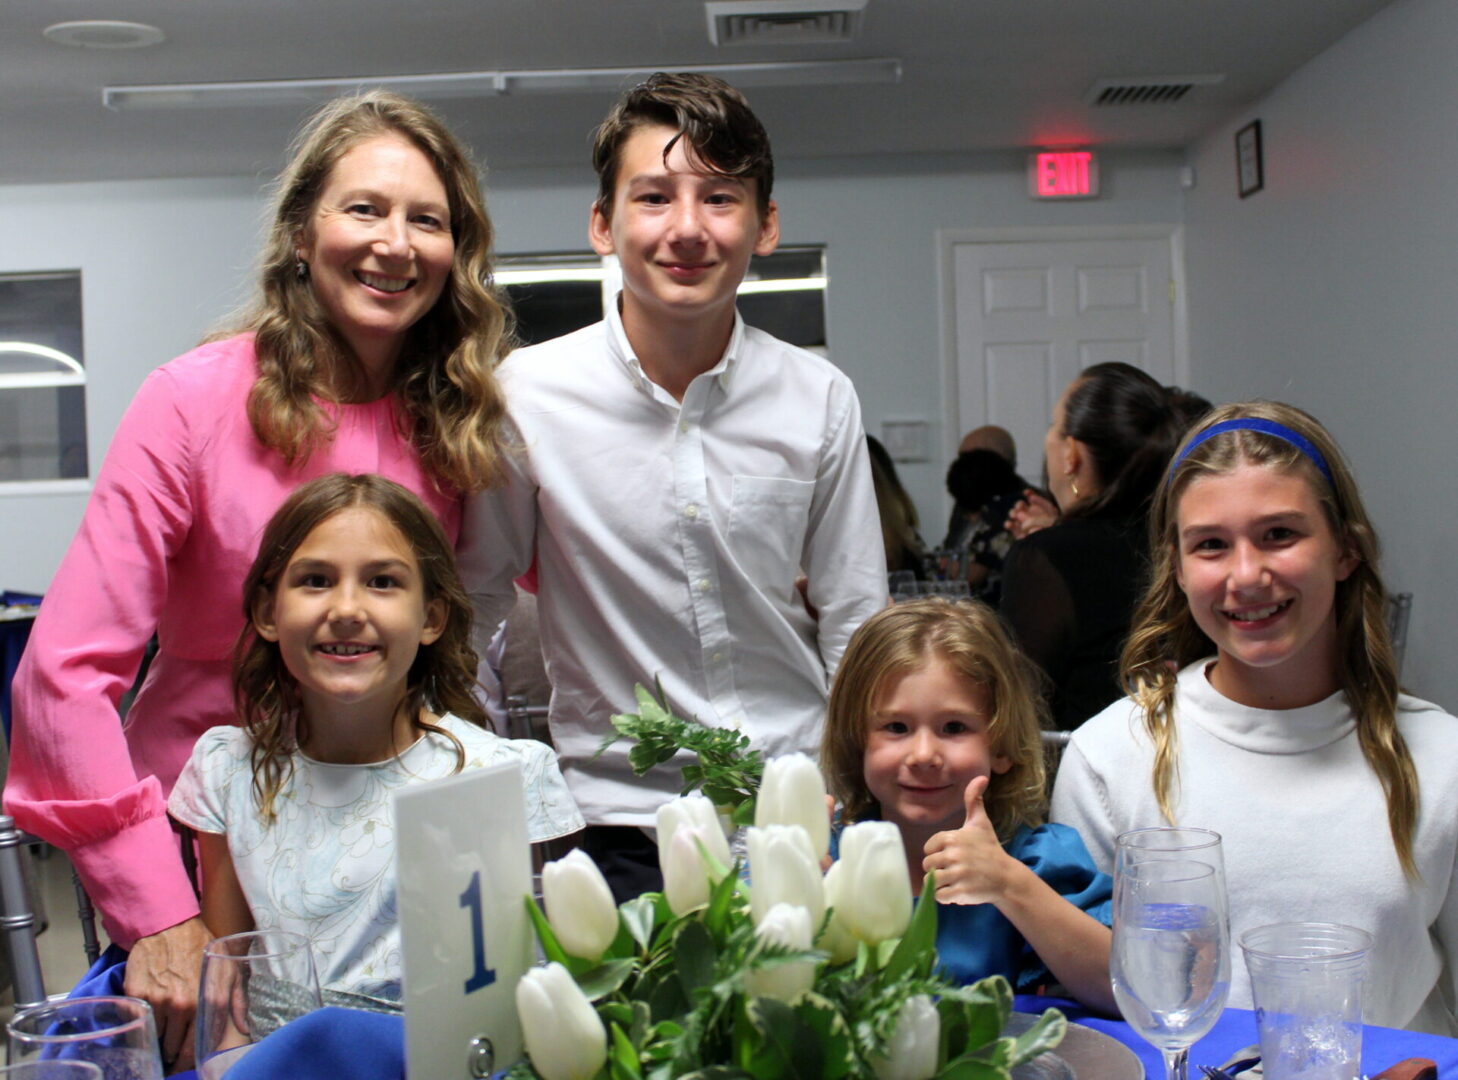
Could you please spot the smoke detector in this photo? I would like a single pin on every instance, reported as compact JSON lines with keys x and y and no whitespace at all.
{"x":1146,"y":90}
{"x":783,"y":22}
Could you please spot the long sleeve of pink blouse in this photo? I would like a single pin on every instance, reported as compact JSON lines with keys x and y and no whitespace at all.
{"x":167,"y":538}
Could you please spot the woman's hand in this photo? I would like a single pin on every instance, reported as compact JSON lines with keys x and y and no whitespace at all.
{"x":1033,"y":511}
{"x":971,"y":865}
{"x":163,"y":970}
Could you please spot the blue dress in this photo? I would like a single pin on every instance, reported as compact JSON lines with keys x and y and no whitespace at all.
{"x":976,"y":940}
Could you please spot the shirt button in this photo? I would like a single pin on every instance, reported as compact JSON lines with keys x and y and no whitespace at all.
{"x":735,"y":724}
{"x":705,"y":584}
{"x":718,"y":658}
{"x":683,"y":425}
{"x":691,"y":510}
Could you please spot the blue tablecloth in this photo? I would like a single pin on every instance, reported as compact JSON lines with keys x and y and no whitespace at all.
{"x":1236,"y":1028}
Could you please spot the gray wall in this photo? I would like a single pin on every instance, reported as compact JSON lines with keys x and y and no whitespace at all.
{"x":1334,"y":288}
{"x":163,"y":261}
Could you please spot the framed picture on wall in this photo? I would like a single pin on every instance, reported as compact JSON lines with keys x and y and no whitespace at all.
{"x":1250,"y":167}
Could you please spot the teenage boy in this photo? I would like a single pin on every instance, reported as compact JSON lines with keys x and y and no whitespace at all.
{"x":675,"y":471}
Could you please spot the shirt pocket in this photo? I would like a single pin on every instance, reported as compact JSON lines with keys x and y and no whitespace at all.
{"x":768,"y":518}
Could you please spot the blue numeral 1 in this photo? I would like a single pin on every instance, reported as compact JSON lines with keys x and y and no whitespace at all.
{"x":481,"y":975}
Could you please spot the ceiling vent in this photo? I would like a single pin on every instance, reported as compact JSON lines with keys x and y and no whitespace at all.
{"x":1149,"y":90}
{"x":783,"y":22}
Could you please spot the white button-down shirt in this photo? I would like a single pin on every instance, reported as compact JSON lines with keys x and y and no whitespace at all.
{"x":668,"y":538}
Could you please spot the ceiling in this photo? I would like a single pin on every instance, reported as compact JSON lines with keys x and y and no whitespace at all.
{"x":978,"y":74}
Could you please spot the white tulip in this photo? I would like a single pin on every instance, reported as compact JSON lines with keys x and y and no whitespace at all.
{"x":787,"y":925}
{"x":837,"y":940}
{"x":793,"y":793}
{"x":579,"y":905}
{"x":698,"y":811}
{"x":564,"y":1035}
{"x":783,"y":869}
{"x":875,"y":888}
{"x":686,"y":877}
{"x":911,"y":1053}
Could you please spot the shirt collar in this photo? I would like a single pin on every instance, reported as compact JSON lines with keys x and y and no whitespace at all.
{"x":621,"y":350}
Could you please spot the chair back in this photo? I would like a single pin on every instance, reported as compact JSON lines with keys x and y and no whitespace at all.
{"x":17,"y":919}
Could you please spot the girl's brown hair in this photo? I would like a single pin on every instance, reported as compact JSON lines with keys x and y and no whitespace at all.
{"x":451,"y":407}
{"x":1166,"y":638}
{"x":968,"y":636}
{"x":265,"y":695}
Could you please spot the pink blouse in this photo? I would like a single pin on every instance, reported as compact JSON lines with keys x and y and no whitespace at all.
{"x":169,"y":533}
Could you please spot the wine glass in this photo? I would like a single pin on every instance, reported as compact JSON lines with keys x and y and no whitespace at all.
{"x":252,"y":984}
{"x":117,"y":1034}
{"x":1170,"y":842}
{"x":52,"y":1070}
{"x":1170,"y":962}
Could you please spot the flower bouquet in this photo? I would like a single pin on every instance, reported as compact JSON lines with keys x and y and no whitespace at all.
{"x":792,"y":974}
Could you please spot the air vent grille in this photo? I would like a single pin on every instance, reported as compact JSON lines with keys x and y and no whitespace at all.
{"x":783,"y":22}
{"x":1152,"y":90}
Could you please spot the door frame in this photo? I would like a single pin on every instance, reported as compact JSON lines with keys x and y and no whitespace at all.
{"x":947,"y":241}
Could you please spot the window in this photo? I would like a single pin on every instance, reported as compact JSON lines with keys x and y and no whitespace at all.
{"x":554,"y":294}
{"x":42,"y":378}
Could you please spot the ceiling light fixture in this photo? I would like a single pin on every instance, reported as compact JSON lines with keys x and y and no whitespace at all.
{"x":466,"y":84}
{"x":104,"y":34}
{"x":67,"y":371}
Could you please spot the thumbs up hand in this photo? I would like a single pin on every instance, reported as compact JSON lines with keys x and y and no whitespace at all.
{"x":970,"y":863}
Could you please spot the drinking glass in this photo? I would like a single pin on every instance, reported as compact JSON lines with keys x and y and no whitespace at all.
{"x":1306,"y":978}
{"x":1170,"y":962}
{"x":116,"y":1034}
{"x":252,"y":984}
{"x":52,"y":1070}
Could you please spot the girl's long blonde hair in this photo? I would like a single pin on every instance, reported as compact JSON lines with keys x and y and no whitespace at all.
{"x":266,"y":697}
{"x":451,"y":406}
{"x":967,"y":636}
{"x":1165,"y":637}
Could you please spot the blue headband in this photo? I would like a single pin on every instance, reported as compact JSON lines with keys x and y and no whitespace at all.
{"x":1265,"y":427}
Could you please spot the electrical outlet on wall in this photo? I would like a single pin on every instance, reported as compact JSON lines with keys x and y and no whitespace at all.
{"x":907,"y":440}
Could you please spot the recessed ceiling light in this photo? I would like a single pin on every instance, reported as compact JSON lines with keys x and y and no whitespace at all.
{"x":104,"y":34}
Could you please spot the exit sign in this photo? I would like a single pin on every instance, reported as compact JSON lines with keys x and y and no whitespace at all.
{"x":1063,"y":174}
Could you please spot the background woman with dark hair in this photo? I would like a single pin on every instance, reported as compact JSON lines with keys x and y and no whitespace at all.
{"x":1069,"y":590}
{"x":905,"y":549}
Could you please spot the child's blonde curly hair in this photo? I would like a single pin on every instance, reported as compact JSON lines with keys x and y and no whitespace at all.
{"x":968,"y":637}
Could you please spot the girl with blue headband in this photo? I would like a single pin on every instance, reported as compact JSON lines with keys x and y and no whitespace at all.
{"x":1263,"y":703}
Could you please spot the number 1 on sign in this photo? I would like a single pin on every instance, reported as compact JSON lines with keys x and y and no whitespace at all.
{"x":481,"y":975}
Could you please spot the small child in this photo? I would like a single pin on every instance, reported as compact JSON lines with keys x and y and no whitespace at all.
{"x":351,"y":680}
{"x":933,"y":724}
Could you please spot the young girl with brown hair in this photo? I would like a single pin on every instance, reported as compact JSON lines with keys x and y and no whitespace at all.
{"x":1264,"y":705}
{"x":352,"y":679}
{"x":933,"y":724}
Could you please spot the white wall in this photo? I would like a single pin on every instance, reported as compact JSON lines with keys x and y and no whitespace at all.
{"x":161,"y":262}
{"x":1334,"y":288}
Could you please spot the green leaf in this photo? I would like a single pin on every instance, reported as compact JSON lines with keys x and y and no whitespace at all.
{"x":830,"y":1030}
{"x":744,"y":813}
{"x":623,"y":1057}
{"x":605,"y":978}
{"x":1043,"y":1036}
{"x":971,"y":1069}
{"x":917,"y":950}
{"x":721,"y":900}
{"x":640,"y":917}
{"x":695,"y":953}
{"x":616,"y":1012}
{"x":551,"y":947}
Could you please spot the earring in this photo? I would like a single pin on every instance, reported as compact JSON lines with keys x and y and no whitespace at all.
{"x":301,"y":268}
{"x":1073,"y":483}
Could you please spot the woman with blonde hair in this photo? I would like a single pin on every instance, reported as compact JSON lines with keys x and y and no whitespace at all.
{"x":371,"y":348}
{"x":1263,"y":703}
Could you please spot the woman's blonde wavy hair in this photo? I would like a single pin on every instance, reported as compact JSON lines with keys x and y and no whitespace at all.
{"x":451,"y":407}
{"x":1165,"y":637}
{"x":969,"y":637}
{"x":266,"y":697}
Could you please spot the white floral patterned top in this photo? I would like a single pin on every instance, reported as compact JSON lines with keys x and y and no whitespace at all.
{"x":326,"y":867}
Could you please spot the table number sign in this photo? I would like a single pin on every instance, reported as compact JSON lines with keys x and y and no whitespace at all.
{"x":463,"y":865}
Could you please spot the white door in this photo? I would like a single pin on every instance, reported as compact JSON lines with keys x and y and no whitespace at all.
{"x":1028,"y":316}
